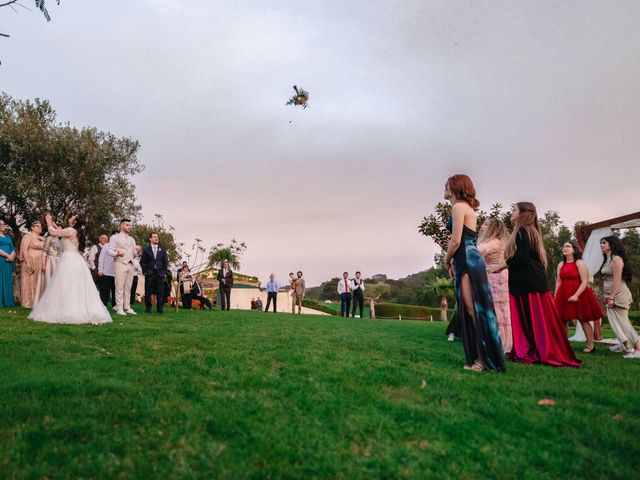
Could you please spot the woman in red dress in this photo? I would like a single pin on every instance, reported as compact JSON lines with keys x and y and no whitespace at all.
{"x":574,"y":300}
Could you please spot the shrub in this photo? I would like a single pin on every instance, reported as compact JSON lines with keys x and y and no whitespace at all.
{"x":310,"y":303}
{"x":413,"y":312}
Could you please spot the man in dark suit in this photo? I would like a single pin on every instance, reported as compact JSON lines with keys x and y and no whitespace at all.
{"x":225,"y":277}
{"x":154,"y":264}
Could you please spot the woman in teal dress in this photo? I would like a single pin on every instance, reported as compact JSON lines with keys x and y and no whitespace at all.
{"x":7,"y":264}
{"x":476,"y":314}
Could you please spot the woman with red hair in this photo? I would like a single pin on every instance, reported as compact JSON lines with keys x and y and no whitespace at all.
{"x":476,"y":314}
{"x":538,"y":332}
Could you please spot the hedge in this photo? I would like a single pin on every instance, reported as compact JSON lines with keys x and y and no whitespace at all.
{"x":392,"y":310}
{"x":309,"y":303}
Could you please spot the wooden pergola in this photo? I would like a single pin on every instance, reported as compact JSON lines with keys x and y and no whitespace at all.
{"x":626,"y":221}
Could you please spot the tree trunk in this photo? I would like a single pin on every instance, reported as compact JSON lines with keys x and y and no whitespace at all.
{"x":443,"y":309}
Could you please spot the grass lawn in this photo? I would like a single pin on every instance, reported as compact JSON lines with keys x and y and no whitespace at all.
{"x":336,"y":307}
{"x":252,"y":395}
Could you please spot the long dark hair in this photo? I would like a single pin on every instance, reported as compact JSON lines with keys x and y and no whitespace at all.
{"x":80,"y":225}
{"x":528,"y":221}
{"x":618,"y":249}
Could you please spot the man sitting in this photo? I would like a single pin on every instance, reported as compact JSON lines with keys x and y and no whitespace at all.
{"x":197,"y":293}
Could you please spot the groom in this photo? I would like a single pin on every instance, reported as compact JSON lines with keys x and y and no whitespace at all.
{"x":123,"y":248}
{"x":154,"y":264}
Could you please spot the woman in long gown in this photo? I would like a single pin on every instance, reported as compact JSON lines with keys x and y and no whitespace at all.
{"x":31,"y":264}
{"x":538,"y":332}
{"x":491,"y":244}
{"x":71,"y":296}
{"x":616,"y":273}
{"x":477,"y":317}
{"x":50,"y":254}
{"x":7,"y":265}
{"x":574,"y":300}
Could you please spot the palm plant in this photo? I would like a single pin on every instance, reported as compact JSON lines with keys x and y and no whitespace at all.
{"x":444,"y":288}
{"x":230,"y":253}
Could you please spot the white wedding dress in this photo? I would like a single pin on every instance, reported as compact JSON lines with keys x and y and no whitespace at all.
{"x":71,"y":295}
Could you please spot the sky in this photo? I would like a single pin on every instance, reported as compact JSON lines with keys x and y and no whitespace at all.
{"x":535,"y":100}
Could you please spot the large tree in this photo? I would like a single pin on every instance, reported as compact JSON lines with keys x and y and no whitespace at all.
{"x":50,"y":167}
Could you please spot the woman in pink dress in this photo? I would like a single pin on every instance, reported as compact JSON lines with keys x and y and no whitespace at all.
{"x":32,"y":263}
{"x":491,"y":244}
{"x":574,"y":300}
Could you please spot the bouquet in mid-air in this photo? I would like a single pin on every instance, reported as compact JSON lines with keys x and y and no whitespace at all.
{"x":300,"y":98}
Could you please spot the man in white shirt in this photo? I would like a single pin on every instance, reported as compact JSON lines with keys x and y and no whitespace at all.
{"x":93,"y":258}
{"x":344,"y":291}
{"x":106,"y":274}
{"x":122,"y":247}
{"x":357,"y":289}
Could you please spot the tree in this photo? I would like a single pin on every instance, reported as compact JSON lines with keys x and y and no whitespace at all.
{"x":231,"y":253}
{"x":631,"y":242}
{"x":443,"y":288}
{"x":47,"y":167}
{"x":141,"y":232}
{"x":554,"y":235}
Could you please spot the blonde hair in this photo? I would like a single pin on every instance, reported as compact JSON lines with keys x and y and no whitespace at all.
{"x":493,"y":228}
{"x":527,"y":221}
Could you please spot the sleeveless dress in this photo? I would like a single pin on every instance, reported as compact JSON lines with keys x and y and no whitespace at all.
{"x":480,"y":337}
{"x":618,"y":315}
{"x":493,"y":253}
{"x":538,"y":332}
{"x":6,"y":273}
{"x":71,"y":296}
{"x":586,"y":308}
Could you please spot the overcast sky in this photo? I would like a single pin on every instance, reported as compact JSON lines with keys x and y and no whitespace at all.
{"x":535,"y":100}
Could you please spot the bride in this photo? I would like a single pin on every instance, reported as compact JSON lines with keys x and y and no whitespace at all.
{"x":71,"y":295}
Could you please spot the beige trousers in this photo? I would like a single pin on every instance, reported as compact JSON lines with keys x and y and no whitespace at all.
{"x":296,"y":300}
{"x":124,"y":279}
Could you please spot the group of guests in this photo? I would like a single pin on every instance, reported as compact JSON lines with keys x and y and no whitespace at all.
{"x":505,"y":307}
{"x":190,"y":287}
{"x":351,"y":289}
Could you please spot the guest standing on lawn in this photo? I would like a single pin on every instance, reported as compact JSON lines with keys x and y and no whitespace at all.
{"x":616,"y":273}
{"x":538,"y":332}
{"x":344,"y":292}
{"x":225,"y":278}
{"x":357,"y":288}
{"x":272,"y":292}
{"x":298,"y":293}
{"x":32,"y":264}
{"x":154,"y":264}
{"x":7,"y":265}
{"x":479,"y":326}
{"x":574,"y":299}
{"x":491,"y":244}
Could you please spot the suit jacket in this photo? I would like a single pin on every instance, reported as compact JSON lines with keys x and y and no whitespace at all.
{"x":196,"y":289}
{"x":154,"y":266}
{"x":228,"y":283}
{"x":301,"y":287}
{"x":125,"y":244}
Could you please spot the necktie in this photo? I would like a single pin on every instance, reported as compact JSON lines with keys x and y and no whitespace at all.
{"x":346,"y":287}
{"x":155,"y":252}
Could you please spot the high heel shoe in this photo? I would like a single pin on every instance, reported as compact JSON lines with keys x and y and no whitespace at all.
{"x":589,"y":350}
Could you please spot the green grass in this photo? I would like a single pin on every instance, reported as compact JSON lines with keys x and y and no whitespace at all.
{"x":336,"y":308}
{"x":252,"y":395}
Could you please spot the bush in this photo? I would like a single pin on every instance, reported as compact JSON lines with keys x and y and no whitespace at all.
{"x":310,"y":303}
{"x":409,"y":312}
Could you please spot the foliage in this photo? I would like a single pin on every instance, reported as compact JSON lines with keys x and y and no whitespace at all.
{"x":392,"y":310}
{"x":50,"y":167}
{"x":314,"y":304}
{"x":231,"y":253}
{"x":141,"y":232}
{"x":631,"y":242}
{"x":554,"y":234}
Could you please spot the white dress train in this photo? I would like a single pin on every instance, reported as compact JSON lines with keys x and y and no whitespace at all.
{"x":71,"y":295}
